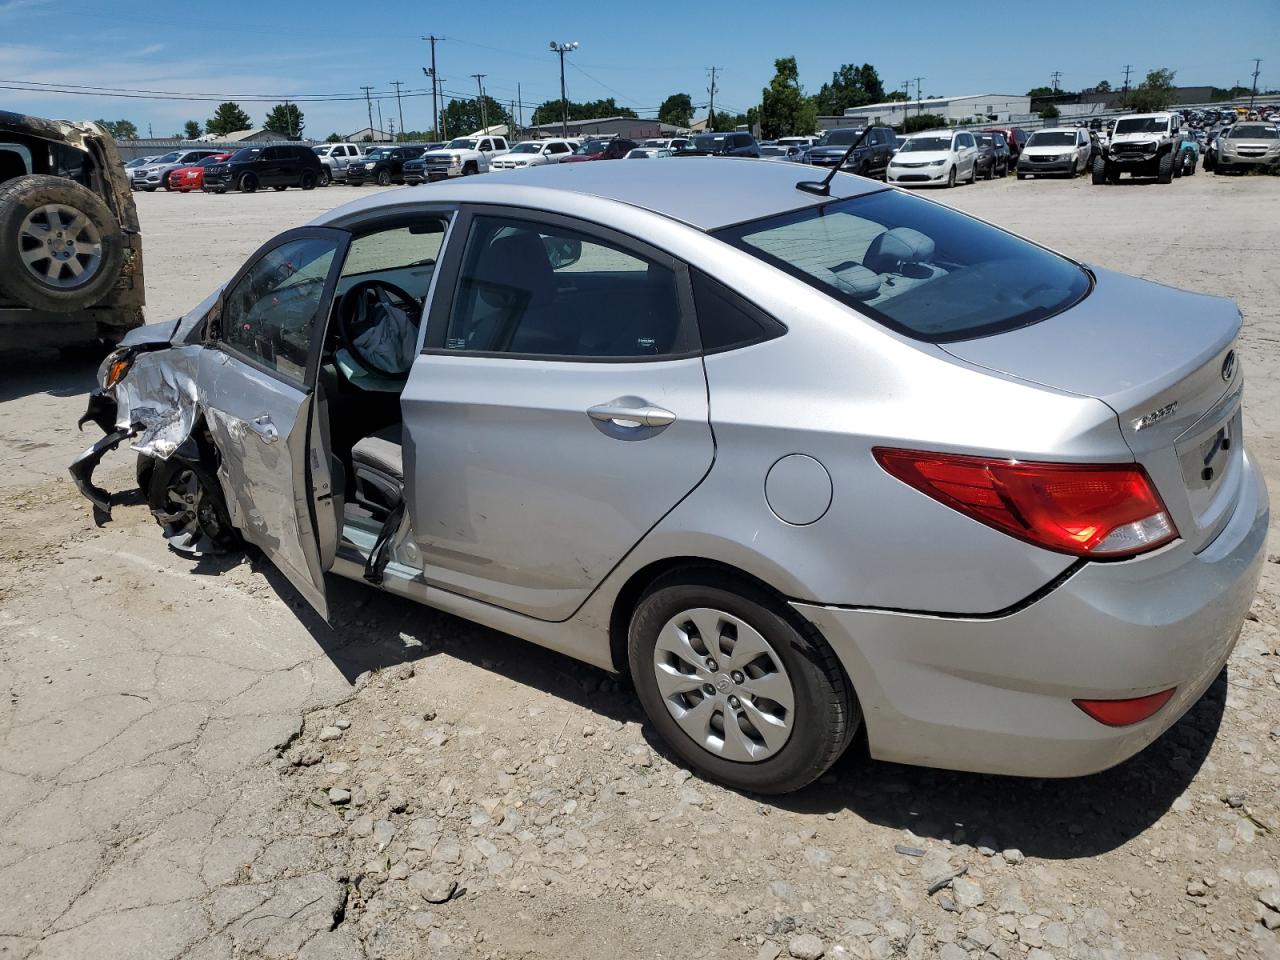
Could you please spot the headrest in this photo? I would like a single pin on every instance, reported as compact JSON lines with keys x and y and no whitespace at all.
{"x":899,"y":245}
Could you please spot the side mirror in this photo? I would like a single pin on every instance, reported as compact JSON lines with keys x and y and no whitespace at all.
{"x":562,"y":251}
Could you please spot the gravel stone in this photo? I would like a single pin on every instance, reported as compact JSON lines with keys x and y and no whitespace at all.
{"x":432,"y":887}
{"x":338,"y":795}
{"x":806,"y":947}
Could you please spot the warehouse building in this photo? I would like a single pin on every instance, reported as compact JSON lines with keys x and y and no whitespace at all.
{"x":983,"y":108}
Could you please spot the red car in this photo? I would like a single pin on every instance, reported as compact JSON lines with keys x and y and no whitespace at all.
{"x":186,"y":179}
{"x":1015,"y":137}
{"x":614,"y":149}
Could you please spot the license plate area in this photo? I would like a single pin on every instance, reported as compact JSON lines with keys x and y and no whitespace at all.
{"x":1211,"y":455}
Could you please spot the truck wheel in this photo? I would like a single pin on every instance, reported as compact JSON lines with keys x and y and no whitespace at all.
{"x":60,"y":246}
{"x":1099,"y":171}
{"x":1164,"y":171}
{"x":248,"y":183}
{"x":325,"y":177}
{"x":384,"y":178}
{"x":470,"y":168}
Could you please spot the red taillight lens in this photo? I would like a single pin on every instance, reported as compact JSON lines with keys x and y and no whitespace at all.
{"x":1087,"y":510}
{"x":1122,"y":713}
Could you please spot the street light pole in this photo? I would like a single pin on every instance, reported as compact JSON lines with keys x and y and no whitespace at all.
{"x":562,"y":49}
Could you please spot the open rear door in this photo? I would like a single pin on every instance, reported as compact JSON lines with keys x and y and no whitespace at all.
{"x":257,"y":384}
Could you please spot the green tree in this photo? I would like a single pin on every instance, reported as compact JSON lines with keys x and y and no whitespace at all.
{"x":1042,"y":92}
{"x":923,"y":121}
{"x":285,"y":119}
{"x":895,"y":97}
{"x":192,"y":129}
{"x":850,"y":86}
{"x":228,"y":118}
{"x":334,"y":138}
{"x":1103,"y":86}
{"x":120,"y":129}
{"x":549,"y":111}
{"x":676,"y":110}
{"x":1155,"y":92}
{"x":1050,"y":112}
{"x":462,"y":117}
{"x":784,"y":109}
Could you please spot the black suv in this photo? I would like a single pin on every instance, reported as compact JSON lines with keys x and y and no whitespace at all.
{"x":383,"y":165}
{"x":870,"y":159}
{"x":720,"y":145}
{"x":279,"y":166}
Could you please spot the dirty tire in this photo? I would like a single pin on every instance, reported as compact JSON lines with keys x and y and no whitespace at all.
{"x":825,"y":715}
{"x":1099,"y":171}
{"x":1164,"y":171}
{"x":197,"y":529}
{"x":470,"y":168}
{"x":326,"y":178}
{"x":32,"y":281}
{"x":384,"y":178}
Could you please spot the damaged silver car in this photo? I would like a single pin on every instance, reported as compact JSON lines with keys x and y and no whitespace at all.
{"x":803,"y":458}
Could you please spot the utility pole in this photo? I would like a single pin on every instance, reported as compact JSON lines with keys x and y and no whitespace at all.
{"x":431,"y":72}
{"x":400,"y":106}
{"x":369,"y":103}
{"x":1057,"y":75}
{"x":919,"y":104}
{"x":520,"y":102}
{"x":711,"y":107}
{"x":1124,"y":92}
{"x":1257,"y":67}
{"x":380,"y":124}
{"x":484,"y":114}
{"x":562,"y":49}
{"x":393,"y":129}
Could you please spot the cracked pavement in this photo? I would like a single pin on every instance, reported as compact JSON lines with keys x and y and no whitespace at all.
{"x":167,"y":741}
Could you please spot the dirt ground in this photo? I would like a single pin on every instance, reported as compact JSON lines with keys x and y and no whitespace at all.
{"x":193,"y":765}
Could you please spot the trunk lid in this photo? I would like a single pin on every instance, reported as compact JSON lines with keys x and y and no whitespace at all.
{"x":1164,"y":360}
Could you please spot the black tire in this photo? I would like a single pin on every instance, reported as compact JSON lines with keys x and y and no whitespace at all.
{"x":1178,"y":161}
{"x":826,"y":712}
{"x":951,"y":178}
{"x":1099,"y":171}
{"x":144,"y":470}
{"x":1164,"y":168}
{"x":307,"y":180}
{"x":24,"y":197}
{"x":1209,"y":163}
{"x":196,"y":529}
{"x":991,"y":170}
{"x":248,"y":183}
{"x":470,"y":168}
{"x":326,"y":178}
{"x":384,"y":178}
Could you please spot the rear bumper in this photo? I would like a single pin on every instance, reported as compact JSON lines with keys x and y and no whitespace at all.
{"x":994,"y":695}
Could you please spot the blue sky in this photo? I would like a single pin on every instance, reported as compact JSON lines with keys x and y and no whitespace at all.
{"x":637,"y":53}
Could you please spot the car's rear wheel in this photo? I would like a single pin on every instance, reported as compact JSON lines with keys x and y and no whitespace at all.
{"x":384,"y":178}
{"x":60,"y":246}
{"x":186,"y":500}
{"x":739,"y":686}
{"x":248,"y":183}
{"x":1099,"y":171}
{"x":1164,"y":169}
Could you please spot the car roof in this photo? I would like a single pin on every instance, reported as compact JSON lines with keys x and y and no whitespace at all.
{"x":1055,"y":130}
{"x":703,"y":192}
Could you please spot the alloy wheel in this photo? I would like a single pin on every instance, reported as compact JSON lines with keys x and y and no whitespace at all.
{"x":724,"y":685}
{"x":60,"y":246}
{"x":190,"y":516}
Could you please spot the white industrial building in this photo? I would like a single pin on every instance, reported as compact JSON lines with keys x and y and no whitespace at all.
{"x":985,"y":108}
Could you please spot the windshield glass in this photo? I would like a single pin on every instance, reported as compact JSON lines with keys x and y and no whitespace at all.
{"x":167,"y":158}
{"x":1253,"y":131}
{"x":840,"y":138}
{"x":1141,"y":124}
{"x":921,"y":144}
{"x":321,"y":151}
{"x":1055,"y":138}
{"x":462,"y":144}
{"x":590,"y":148}
{"x":985,"y":139}
{"x":248,"y":153}
{"x":378,"y":154}
{"x":917,"y":267}
{"x":708,"y":141}
{"x":527,"y":148}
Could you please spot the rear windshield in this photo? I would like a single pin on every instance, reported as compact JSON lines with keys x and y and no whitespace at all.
{"x":917,"y":267}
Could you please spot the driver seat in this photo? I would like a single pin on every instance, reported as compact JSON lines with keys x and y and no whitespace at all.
{"x":378,"y":462}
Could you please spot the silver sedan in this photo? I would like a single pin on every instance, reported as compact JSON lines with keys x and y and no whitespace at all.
{"x":801,"y":460}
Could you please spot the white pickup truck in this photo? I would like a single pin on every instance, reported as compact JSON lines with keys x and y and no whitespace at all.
{"x":335,"y":158}
{"x":464,"y":156}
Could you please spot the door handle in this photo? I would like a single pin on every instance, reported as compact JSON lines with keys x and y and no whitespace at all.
{"x":264,"y":428}
{"x":631,"y":412}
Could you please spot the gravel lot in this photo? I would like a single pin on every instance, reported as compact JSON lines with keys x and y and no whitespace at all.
{"x":194,"y":766}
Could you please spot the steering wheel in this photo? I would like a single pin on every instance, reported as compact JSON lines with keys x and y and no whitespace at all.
{"x":350,"y":328}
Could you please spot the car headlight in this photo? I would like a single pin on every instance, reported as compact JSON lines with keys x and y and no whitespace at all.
{"x":937,"y":163}
{"x":113,"y":369}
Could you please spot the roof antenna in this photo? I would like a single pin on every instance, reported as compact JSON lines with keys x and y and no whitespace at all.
{"x":822,"y":188}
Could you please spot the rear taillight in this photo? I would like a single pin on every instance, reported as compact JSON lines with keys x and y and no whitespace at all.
{"x":1087,"y":510}
{"x":1122,"y":713}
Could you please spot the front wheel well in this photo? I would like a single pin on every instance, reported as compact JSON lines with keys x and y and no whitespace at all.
{"x":624,"y":603}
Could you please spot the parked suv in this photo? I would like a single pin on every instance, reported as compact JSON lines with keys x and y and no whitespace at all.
{"x":614,"y":149}
{"x":279,"y":166}
{"x":382,"y":165}
{"x":1143,"y":145}
{"x":870,"y":159}
{"x":721,"y":145}
{"x":1061,"y":151}
{"x":335,"y":158}
{"x":150,"y":176}
{"x":1248,"y":144}
{"x":70,"y":245}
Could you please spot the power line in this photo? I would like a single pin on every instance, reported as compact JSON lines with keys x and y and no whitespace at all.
{"x":399,"y":106}
{"x":711,"y":104}
{"x":369,"y":104}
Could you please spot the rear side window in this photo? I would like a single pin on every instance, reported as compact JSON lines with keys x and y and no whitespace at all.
{"x":917,"y":267}
{"x":725,"y":320}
